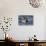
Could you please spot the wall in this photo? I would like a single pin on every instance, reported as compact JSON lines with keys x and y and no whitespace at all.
{"x":24,"y":32}
{"x":45,"y":28}
{"x":14,"y":8}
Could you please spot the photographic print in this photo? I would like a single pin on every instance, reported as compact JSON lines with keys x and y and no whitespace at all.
{"x":25,"y":20}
